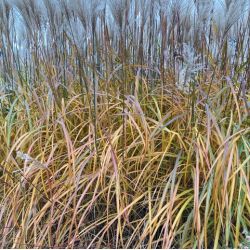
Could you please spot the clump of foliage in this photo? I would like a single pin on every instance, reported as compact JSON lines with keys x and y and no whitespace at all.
{"x":124,"y":124}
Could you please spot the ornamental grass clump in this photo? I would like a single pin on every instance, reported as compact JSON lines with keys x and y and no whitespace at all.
{"x":124,"y":124}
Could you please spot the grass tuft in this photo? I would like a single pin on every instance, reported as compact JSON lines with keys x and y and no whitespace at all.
{"x":124,"y":124}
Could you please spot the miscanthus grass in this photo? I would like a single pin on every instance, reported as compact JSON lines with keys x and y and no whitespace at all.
{"x":124,"y":124}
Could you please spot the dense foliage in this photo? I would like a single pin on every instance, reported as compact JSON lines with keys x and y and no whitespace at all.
{"x":124,"y":123}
